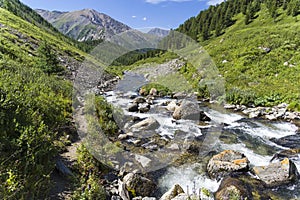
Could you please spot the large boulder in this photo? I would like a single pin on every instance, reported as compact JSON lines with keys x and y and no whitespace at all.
{"x":189,"y":110}
{"x":242,"y":187}
{"x":278,"y":173}
{"x":138,"y":185}
{"x":227,"y":162}
{"x":147,"y":124}
{"x":172,"y":193}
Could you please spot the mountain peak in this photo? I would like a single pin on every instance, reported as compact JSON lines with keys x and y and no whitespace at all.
{"x":86,"y":24}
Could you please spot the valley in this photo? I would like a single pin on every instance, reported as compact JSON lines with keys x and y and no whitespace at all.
{"x":93,"y":109}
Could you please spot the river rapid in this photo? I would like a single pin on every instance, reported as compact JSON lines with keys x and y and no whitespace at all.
{"x":227,"y":130}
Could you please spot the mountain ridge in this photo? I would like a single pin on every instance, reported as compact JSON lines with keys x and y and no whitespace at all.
{"x":85,"y":24}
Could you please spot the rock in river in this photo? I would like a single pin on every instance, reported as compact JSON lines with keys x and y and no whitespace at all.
{"x":242,"y":187}
{"x":138,"y":185}
{"x":278,"y":173}
{"x":172,"y":193}
{"x":189,"y":110}
{"x":290,"y":141}
{"x":147,"y":124}
{"x":226,"y":162}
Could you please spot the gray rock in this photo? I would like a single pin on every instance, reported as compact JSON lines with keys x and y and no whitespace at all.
{"x":137,"y":198}
{"x":115,"y":197}
{"x":147,"y":124}
{"x":278,"y":173}
{"x":226,"y":162}
{"x":143,"y":160}
{"x":138,"y":184}
{"x":189,"y":110}
{"x":172,"y":193}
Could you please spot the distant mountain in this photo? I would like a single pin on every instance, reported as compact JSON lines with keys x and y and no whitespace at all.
{"x":84,"y":24}
{"x":159,"y":32}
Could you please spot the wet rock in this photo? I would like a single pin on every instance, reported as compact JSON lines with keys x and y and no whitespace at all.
{"x":188,"y":110}
{"x":139,"y":100}
{"x":147,"y":124}
{"x":133,"y":108}
{"x":226,"y":162}
{"x":290,"y":141}
{"x":138,"y":185}
{"x":172,"y":193}
{"x":278,"y":173}
{"x":144,"y":107}
{"x":242,"y":187}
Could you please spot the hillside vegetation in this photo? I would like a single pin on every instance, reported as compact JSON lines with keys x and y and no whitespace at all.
{"x":35,"y":105}
{"x":258,"y":56}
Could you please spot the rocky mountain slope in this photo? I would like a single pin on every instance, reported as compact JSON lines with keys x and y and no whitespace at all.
{"x":84,"y":24}
{"x":159,"y":32}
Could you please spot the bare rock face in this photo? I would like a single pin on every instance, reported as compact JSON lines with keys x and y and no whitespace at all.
{"x":226,"y":162}
{"x":138,"y":185}
{"x":172,"y":193}
{"x":278,"y":173}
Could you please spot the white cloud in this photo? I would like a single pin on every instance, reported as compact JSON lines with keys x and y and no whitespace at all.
{"x":160,"y":1}
{"x":133,"y":16}
{"x":145,"y":18}
{"x":214,"y":2}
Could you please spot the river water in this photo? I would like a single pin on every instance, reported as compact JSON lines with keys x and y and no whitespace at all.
{"x":227,"y":130}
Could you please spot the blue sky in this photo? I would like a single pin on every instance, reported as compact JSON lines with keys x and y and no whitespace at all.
{"x":135,"y":13}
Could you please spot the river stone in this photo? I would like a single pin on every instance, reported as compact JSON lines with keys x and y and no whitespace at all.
{"x":153,"y":92}
{"x":226,"y":162}
{"x":172,"y":106}
{"x":133,"y":107}
{"x":139,"y":100}
{"x":144,"y":107}
{"x":138,"y":185}
{"x":149,"y":198}
{"x":278,"y":173}
{"x":147,"y":124}
{"x":189,"y":110}
{"x":241,"y":187}
{"x":172,"y":193}
{"x":290,"y":141}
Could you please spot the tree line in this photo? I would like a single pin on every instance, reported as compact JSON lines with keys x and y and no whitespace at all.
{"x":213,"y":21}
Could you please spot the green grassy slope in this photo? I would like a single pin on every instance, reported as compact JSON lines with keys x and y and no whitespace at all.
{"x":35,"y":107}
{"x":254,"y":76}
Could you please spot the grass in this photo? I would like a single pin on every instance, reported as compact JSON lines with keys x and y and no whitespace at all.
{"x":254,"y":76}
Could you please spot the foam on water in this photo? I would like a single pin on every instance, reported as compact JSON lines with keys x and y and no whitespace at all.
{"x":221,"y":118}
{"x":255,"y":159}
{"x":186,"y":177}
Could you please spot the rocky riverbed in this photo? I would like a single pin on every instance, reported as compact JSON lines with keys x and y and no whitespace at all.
{"x":180,"y":148}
